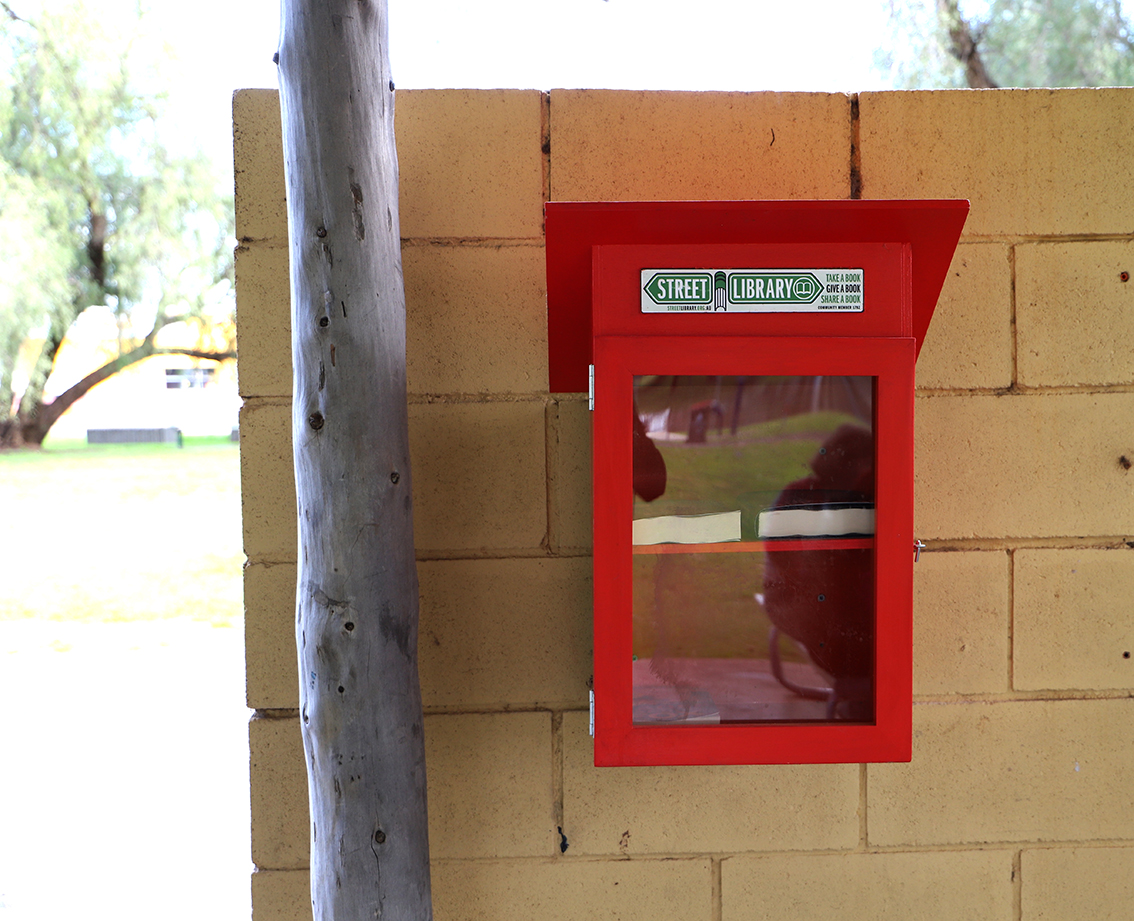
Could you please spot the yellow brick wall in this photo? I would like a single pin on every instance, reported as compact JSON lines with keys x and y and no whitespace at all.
{"x":1018,"y":804}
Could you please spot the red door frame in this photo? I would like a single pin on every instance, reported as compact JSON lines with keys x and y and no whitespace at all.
{"x":617,"y":360}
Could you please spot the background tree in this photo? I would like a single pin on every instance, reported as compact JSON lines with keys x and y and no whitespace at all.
{"x":101,"y":210}
{"x":1003,"y":43}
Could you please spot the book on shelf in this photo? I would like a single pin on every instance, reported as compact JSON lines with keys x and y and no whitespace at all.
{"x":816,"y":520}
{"x":713,"y":528}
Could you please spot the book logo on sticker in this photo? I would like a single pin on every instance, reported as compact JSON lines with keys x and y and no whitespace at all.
{"x":751,"y":290}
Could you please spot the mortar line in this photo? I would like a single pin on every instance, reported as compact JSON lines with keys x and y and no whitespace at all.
{"x":274,"y":713}
{"x":988,"y":544}
{"x":557,"y":774}
{"x":1023,"y":390}
{"x":662,"y":857}
{"x":472,"y":242}
{"x":1011,"y":664}
{"x":551,"y":707}
{"x":550,"y":465}
{"x":998,"y":698}
{"x":716,"y":864}
{"x":863,"y":829}
{"x":460,"y":399}
{"x":1013,"y":344}
{"x":443,"y":555}
{"x":248,"y":244}
{"x":1021,"y":238}
{"x":545,"y":142}
{"x":1017,"y":885}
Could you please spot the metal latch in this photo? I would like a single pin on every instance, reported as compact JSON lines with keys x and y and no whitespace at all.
{"x":917,"y":548}
{"x":591,"y":393}
{"x":592,"y":730}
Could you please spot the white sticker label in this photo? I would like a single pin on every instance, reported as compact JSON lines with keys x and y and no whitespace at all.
{"x":751,"y":290}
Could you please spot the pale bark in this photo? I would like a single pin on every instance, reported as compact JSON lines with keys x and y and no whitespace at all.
{"x":356,"y":610}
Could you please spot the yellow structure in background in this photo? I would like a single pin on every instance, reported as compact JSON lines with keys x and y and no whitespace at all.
{"x":1019,"y":801}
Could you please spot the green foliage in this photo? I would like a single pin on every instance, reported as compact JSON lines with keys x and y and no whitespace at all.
{"x":35,"y":279}
{"x":1021,"y":43}
{"x":118,"y":218}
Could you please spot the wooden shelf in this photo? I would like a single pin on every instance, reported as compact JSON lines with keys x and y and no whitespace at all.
{"x":761,"y":546}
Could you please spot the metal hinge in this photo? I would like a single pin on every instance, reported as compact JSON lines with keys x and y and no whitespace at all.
{"x":592,"y":714}
{"x":591,"y":391}
{"x":917,"y":548}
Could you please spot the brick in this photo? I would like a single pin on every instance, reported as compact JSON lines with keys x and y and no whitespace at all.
{"x":479,"y":475}
{"x":476,"y":319}
{"x":280,"y":824}
{"x":1077,"y":884}
{"x":1031,"y":161}
{"x":490,"y":785}
{"x":1010,"y":771}
{"x":616,"y":145}
{"x":1072,"y":622}
{"x":470,"y":163}
{"x":281,"y":895}
{"x":267,"y":481}
{"x":500,"y":633}
{"x":961,"y":623}
{"x":969,"y":344}
{"x":572,"y":890}
{"x":261,"y":199}
{"x":941,"y":886}
{"x":571,"y":500}
{"x":688,"y":810}
{"x":493,"y":633}
{"x":272,"y":677}
{"x":1074,"y":314}
{"x":1022,"y":465}
{"x":490,"y":788}
{"x":263,"y":320}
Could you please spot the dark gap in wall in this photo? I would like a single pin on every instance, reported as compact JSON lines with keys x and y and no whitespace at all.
{"x":545,"y":143}
{"x":550,"y":543}
{"x":557,"y":777}
{"x":855,"y":151}
{"x":1014,"y":354}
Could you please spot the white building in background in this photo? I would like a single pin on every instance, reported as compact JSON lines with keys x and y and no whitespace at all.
{"x":165,"y":391}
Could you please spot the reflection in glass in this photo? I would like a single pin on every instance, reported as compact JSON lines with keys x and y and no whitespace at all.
{"x":753,"y":566}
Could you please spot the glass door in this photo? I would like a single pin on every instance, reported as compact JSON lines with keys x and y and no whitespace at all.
{"x":753,"y":549}
{"x":753,"y":554}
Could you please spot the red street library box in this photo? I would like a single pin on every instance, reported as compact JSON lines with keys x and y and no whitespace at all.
{"x":751,"y":368}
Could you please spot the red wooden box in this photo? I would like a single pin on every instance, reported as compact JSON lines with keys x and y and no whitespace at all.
{"x":753,"y":375}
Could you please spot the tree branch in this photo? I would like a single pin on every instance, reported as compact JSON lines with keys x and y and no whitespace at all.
{"x":12,"y":14}
{"x":39,"y":424}
{"x":963,"y":45}
{"x":198,"y":353}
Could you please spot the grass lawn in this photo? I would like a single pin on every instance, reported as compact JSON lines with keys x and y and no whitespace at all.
{"x":118,"y":562}
{"x":121,"y":533}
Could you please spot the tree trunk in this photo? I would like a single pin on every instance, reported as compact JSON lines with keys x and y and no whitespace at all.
{"x":963,"y":46}
{"x":356,"y":605}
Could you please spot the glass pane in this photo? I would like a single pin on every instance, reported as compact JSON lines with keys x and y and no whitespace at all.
{"x":753,"y":540}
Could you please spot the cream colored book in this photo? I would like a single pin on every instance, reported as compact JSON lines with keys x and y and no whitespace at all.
{"x":713,"y":528}
{"x":830,"y":520}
